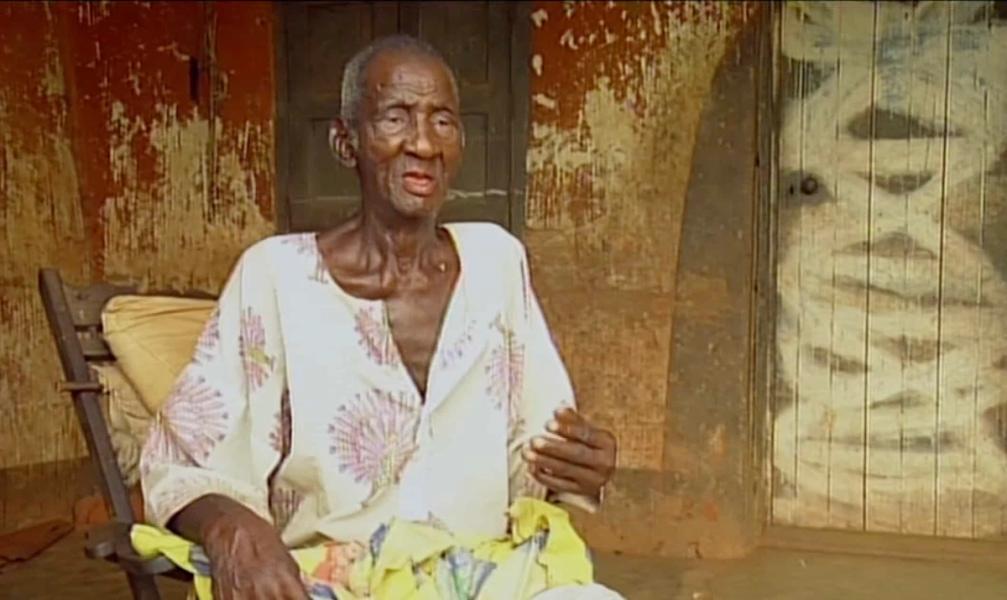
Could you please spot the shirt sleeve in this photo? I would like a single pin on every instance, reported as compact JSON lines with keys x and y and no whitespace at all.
{"x":212,"y":435}
{"x":542,"y":386}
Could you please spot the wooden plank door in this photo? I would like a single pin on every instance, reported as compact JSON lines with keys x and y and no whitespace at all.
{"x":485,"y":42}
{"x":319,"y":39}
{"x":891,"y":325}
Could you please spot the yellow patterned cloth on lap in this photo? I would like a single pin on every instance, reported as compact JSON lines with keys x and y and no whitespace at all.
{"x":417,"y":561}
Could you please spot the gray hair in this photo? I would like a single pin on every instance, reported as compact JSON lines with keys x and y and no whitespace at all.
{"x":356,"y":69}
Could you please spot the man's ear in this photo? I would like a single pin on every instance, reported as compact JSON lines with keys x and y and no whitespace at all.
{"x":343,"y":142}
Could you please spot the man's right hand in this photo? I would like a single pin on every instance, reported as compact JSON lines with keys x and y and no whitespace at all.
{"x":248,"y":560}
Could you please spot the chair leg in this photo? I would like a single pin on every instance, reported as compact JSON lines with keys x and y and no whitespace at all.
{"x":143,"y":587}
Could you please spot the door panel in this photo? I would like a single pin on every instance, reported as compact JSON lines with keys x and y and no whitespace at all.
{"x":319,"y":40}
{"x":891,"y":275}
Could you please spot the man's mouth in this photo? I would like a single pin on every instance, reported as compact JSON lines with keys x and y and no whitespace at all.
{"x":419,"y":183}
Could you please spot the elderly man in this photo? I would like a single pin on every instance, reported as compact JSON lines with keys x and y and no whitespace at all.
{"x":390,"y":367}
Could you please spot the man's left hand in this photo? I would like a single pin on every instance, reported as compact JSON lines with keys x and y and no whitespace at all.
{"x":581,"y":461}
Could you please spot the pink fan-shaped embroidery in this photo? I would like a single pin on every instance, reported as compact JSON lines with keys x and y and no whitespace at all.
{"x":374,"y":437}
{"x":161,"y":449}
{"x":505,"y":372}
{"x":209,"y":339}
{"x":258,"y":364}
{"x":453,"y":353}
{"x":195,"y":416}
{"x":376,"y":337}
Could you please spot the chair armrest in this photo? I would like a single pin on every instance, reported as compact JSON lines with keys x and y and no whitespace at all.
{"x":111,"y":542}
{"x":99,"y":542}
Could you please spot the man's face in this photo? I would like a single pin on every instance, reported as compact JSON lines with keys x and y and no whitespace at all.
{"x":409,"y":132}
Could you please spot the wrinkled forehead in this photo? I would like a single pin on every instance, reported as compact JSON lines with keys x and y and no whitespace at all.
{"x":409,"y":76}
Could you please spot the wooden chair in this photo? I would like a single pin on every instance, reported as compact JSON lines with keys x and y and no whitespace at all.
{"x":74,"y":314}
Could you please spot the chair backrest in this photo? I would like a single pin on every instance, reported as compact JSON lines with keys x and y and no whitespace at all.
{"x":74,"y":315}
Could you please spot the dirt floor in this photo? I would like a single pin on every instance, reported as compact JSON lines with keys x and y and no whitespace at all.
{"x":62,"y":572}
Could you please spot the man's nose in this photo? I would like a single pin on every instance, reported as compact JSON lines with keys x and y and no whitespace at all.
{"x":420,"y":142}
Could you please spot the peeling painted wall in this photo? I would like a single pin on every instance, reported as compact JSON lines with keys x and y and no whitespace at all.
{"x":177,"y":174}
{"x":617,"y":95}
{"x":42,"y":223}
{"x":617,"y":98}
{"x":116,"y":164}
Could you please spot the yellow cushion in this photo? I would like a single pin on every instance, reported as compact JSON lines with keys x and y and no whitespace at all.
{"x":153,"y":338}
{"x":127,"y":417}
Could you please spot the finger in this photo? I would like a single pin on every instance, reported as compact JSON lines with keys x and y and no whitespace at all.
{"x":587,"y":478}
{"x":573,"y":452}
{"x":570,"y":424}
{"x":556,"y":484}
{"x":570,"y":431}
{"x":559,"y":467}
{"x":569,"y":415}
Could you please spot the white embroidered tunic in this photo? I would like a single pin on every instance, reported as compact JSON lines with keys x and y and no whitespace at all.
{"x":297,"y":403}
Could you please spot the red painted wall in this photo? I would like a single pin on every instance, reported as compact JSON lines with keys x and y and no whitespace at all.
{"x":114,"y":165}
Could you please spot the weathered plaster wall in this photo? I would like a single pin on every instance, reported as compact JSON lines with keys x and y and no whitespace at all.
{"x":42,"y":223}
{"x":618,"y":91}
{"x":115,"y":164}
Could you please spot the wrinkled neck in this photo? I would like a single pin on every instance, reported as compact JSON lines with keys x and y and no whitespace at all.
{"x":401,"y":244}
